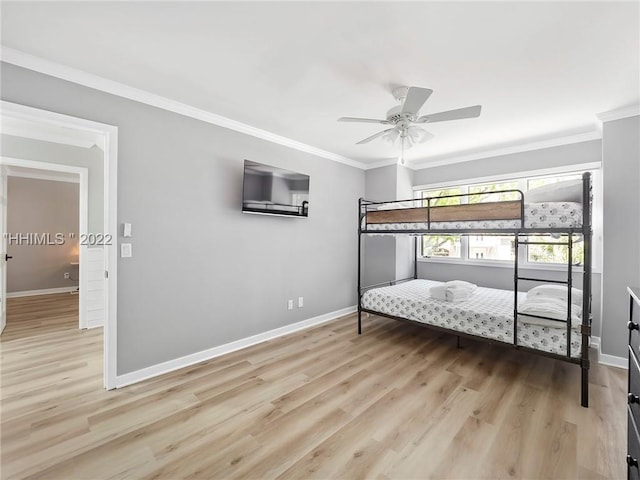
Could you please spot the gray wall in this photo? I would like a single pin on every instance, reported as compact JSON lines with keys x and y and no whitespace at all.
{"x":500,"y":277}
{"x":583,"y":152}
{"x":386,"y":257}
{"x":404,"y":244}
{"x":89,"y":158}
{"x":379,"y":252}
{"x":203,"y":274}
{"x":41,"y":207}
{"x":621,"y":228}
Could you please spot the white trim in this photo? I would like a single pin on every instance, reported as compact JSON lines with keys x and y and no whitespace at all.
{"x":19,"y":128}
{"x":612,"y":361}
{"x":609,"y":360}
{"x":580,"y":167}
{"x":41,"y":175}
{"x":38,"y":64}
{"x":44,"y":291}
{"x":526,"y":147}
{"x":110,"y":135}
{"x":618,"y":113}
{"x":384,"y":163}
{"x":187,"y":360}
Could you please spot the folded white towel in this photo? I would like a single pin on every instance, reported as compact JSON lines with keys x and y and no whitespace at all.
{"x":456,"y":294}
{"x":439,"y":292}
{"x":462,"y":285}
{"x":454,"y":291}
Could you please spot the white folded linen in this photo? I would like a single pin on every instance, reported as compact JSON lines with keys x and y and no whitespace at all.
{"x":461,"y":284}
{"x":439,"y":292}
{"x":455,"y":291}
{"x":457,"y":294}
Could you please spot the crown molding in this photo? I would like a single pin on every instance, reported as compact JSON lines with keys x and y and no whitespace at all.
{"x":526,"y":147}
{"x":382,"y":163}
{"x":618,"y":113}
{"x":80,"y":77}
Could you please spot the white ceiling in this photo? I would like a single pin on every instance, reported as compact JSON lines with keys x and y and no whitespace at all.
{"x":540,"y":70}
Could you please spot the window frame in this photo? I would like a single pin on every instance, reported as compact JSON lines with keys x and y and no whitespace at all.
{"x":522,"y":182}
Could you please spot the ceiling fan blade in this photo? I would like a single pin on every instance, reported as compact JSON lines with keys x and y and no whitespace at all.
{"x":458,"y":114}
{"x":373,"y":137}
{"x":416,"y":96}
{"x":363,"y":120}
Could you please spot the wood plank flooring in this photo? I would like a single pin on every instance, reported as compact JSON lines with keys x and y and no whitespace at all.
{"x":398,"y":401}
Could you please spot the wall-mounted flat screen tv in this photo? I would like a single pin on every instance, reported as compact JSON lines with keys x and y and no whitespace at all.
{"x":274,"y":191}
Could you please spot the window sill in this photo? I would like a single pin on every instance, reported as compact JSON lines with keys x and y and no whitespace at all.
{"x":501,"y":264}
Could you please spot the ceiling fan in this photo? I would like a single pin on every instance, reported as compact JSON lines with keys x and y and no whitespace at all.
{"x":405,"y":118}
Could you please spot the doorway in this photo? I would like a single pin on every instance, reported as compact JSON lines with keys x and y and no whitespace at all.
{"x":25,"y":122}
{"x":43,"y":240}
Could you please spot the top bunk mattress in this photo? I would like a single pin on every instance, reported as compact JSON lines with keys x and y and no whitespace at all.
{"x":536,"y":215}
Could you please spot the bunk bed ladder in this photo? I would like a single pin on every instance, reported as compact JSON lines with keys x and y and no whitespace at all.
{"x":360,"y":217}
{"x":568,"y":282}
{"x":585,"y":331}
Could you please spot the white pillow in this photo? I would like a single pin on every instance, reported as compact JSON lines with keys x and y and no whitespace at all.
{"x":556,"y":291}
{"x":548,"y":307}
{"x":567,"y":191}
{"x":395,"y":205}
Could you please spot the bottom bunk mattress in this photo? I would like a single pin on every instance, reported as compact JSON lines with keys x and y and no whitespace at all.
{"x":487,"y":313}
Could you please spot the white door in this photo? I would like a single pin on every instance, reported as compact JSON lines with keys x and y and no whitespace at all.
{"x":3,"y":247}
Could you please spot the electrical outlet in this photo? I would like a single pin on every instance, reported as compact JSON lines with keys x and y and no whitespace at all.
{"x":300,"y":302}
{"x":125,"y":250}
{"x":290,"y":305}
{"x":66,"y":275}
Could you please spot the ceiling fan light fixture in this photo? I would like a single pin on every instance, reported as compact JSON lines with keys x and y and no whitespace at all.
{"x":416,"y":135}
{"x":390,"y":137}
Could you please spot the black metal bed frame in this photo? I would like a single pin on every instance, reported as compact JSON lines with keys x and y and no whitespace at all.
{"x":585,"y":230}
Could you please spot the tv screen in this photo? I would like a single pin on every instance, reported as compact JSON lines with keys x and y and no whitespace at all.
{"x":274,"y":191}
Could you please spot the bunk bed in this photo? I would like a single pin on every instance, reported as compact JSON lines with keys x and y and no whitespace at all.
{"x":487,"y":314}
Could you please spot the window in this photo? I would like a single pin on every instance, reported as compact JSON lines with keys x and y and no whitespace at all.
{"x":554,"y":253}
{"x":441,"y":245}
{"x":541,"y":182}
{"x":497,"y":248}
{"x":492,"y":247}
{"x":483,"y":192}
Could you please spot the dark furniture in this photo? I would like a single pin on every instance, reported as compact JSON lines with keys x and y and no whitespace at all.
{"x":419,"y":221}
{"x":633,"y":409}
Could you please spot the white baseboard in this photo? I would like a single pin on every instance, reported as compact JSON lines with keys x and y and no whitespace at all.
{"x":45,"y":291}
{"x":609,"y":360}
{"x":188,"y":360}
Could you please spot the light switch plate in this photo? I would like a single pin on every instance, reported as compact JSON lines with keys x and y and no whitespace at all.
{"x":125,"y":250}
{"x":126,"y":231}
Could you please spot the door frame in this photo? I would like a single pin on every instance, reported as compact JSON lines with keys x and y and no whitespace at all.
{"x":109,"y":134}
{"x":3,"y":248}
{"x":83,"y":221}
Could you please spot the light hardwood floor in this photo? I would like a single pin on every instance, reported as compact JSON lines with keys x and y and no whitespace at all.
{"x":398,"y":401}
